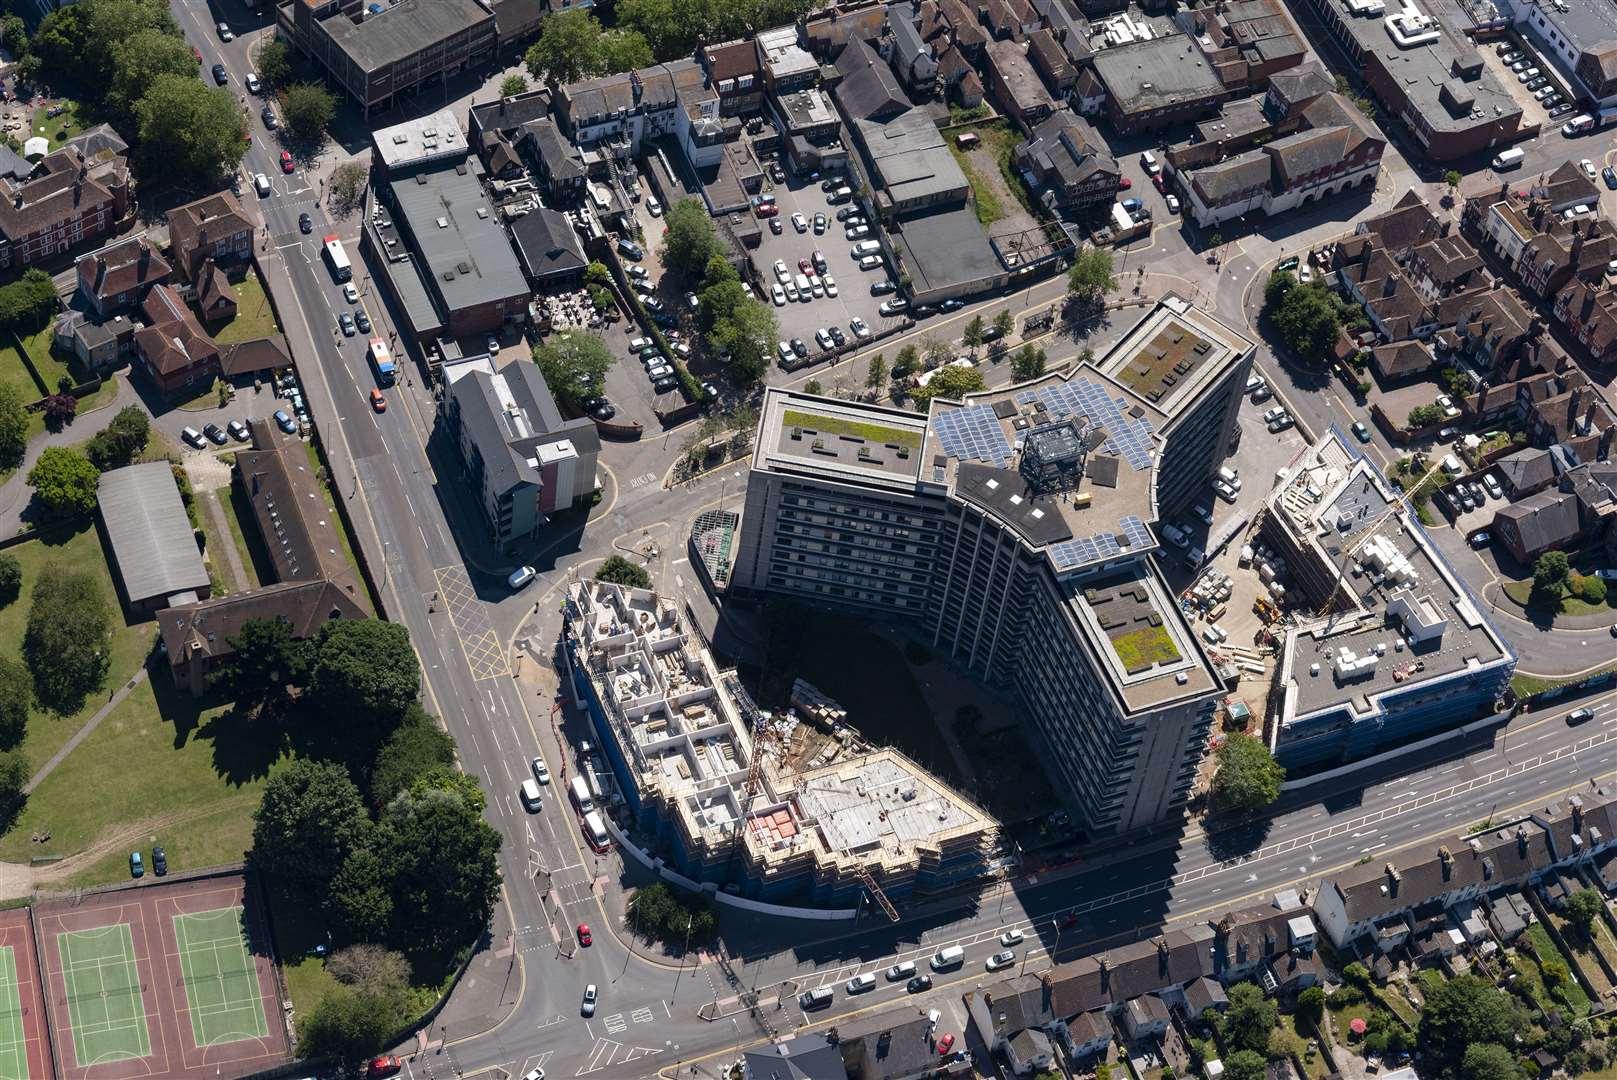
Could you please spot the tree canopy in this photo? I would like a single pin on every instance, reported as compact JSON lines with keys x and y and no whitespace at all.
{"x":64,"y":481}
{"x":949,"y":381}
{"x":1551,"y":573}
{"x":1027,"y":363}
{"x":309,"y":823}
{"x":68,"y":640}
{"x":13,"y":427}
{"x":365,"y":673}
{"x":117,"y":444}
{"x":138,"y":61}
{"x":1306,"y":317}
{"x":1583,"y":909}
{"x":1090,"y":278}
{"x":189,"y":130}
{"x":416,"y":747}
{"x":574,"y":364}
{"x":267,"y":661}
{"x":572,"y":46}
{"x":1248,"y":775}
{"x":445,"y":870}
{"x":1250,"y":1017}
{"x":620,"y":570}
{"x":512,"y":85}
{"x":26,"y":303}
{"x":1464,"y":1012}
{"x":691,"y":240}
{"x":746,"y":334}
{"x":308,"y":109}
{"x":274,"y":61}
{"x":16,"y":694}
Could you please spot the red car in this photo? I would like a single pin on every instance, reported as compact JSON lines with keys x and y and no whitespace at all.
{"x":196,"y":52}
{"x":1124,"y":184}
{"x":286,"y":161}
{"x":1156,"y":181}
{"x":385,"y":1065}
{"x":584,"y":934}
{"x":768,"y":210}
{"x":803,"y":265}
{"x":945,"y":1044}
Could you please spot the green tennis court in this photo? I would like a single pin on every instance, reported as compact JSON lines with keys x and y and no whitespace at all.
{"x":104,"y":1003}
{"x":13,"y":1039}
{"x":221,"y":982}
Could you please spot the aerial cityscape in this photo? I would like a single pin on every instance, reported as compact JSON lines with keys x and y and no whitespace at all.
{"x":492,"y":586}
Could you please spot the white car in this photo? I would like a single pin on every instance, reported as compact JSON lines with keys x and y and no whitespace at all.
{"x":791,"y":291}
{"x":1491,"y":482}
{"x":588,"y":1008}
{"x":225,"y":33}
{"x":856,"y":232}
{"x":800,"y":223}
{"x":870,"y":262}
{"x":653,"y":207}
{"x":830,"y":285}
{"x":1149,"y":161}
{"x":823,"y":336}
{"x":782,"y":274}
{"x":350,"y":294}
{"x":1588,"y":167}
{"x":1446,"y":403}
{"x":1173,"y":204}
{"x":777,"y":294}
{"x":540,"y":772}
{"x":816,"y":286}
{"x":860,"y":330}
{"x":1224,"y":491}
{"x":1010,"y":938}
{"x":1000,"y":960}
{"x":1274,"y":414}
{"x":785,"y":350}
{"x":534,"y":1074}
{"x":890,"y":308}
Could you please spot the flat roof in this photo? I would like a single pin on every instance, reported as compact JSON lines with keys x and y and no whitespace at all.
{"x":828,"y":436}
{"x":1407,"y":609}
{"x":1137,"y":631}
{"x":1173,"y":354}
{"x":456,"y":231}
{"x":946,"y":248}
{"x":403,"y":29}
{"x":434,"y":137}
{"x":1425,"y":71}
{"x":1586,"y":24}
{"x":910,"y":158}
{"x":1157,"y":74}
{"x":153,"y":547}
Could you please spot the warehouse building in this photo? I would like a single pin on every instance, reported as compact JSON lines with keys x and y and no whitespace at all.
{"x":153,"y":548}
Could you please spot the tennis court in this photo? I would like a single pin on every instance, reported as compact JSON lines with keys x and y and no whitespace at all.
{"x":221,"y":984}
{"x":23,"y":1053}
{"x":162,"y":978}
{"x":105,"y":1002}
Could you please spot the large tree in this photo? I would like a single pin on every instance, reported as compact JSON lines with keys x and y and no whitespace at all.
{"x":308,"y":108}
{"x":690,"y":240}
{"x":1463,"y":1012}
{"x":308,"y":824}
{"x":16,"y":693}
{"x":1090,"y":278}
{"x":747,"y":335}
{"x":274,"y":61}
{"x":68,"y":640}
{"x":25,"y":304}
{"x":621,"y":50}
{"x":348,"y":1026}
{"x":1248,"y":775}
{"x":359,"y":902}
{"x":10,"y":578}
{"x":365,"y":673}
{"x":1027,"y":363}
{"x":1307,"y":320}
{"x":64,"y":481}
{"x":574,"y":364}
{"x":267,"y":661}
{"x":566,"y":49}
{"x":1245,"y":1065}
{"x":13,"y":427}
{"x":1551,"y":574}
{"x":348,"y":185}
{"x":950,"y":381}
{"x":620,"y":570}
{"x":1250,"y":1018}
{"x":1490,"y":1061}
{"x":1583,"y":909}
{"x":189,"y":131}
{"x":446,"y":873}
{"x":138,"y":61}
{"x":117,"y":444}
{"x":416,"y":747}
{"x":15,"y":772}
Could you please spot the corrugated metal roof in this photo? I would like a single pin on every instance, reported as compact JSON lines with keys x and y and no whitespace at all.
{"x":151,"y":538}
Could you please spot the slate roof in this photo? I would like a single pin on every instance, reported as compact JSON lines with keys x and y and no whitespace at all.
{"x":1204,"y":994}
{"x":560,"y":156}
{"x":1306,"y":153}
{"x":1232,"y":177}
{"x":505,"y":446}
{"x":300,"y":530}
{"x":896,"y":1042}
{"x":1543,"y":520}
{"x":1049,"y":57}
{"x":1066,"y":146}
{"x":205,"y":629}
{"x":153,"y":546}
{"x":1408,"y":223}
{"x":1300,"y":84}
{"x":1527,"y":468}
{"x":802,"y":1057}
{"x":869,"y":90}
{"x":505,"y":115}
{"x":547,"y":244}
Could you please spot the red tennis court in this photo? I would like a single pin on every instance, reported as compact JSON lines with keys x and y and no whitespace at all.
{"x":24,"y":1052}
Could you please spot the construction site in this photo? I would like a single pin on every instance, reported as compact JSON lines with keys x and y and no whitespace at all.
{"x":789,"y":807}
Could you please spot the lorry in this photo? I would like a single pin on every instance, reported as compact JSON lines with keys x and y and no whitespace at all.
{"x":382,"y":362}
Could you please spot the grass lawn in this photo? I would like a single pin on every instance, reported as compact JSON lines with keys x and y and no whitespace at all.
{"x":864,"y":672}
{"x":1522,"y":593}
{"x":190,"y":774}
{"x":1002,"y":139}
{"x":1139,"y":649}
{"x":218,"y":563}
{"x":1570,"y":995}
{"x":1341,"y":1018}
{"x":130,"y":644}
{"x":254,"y":316}
{"x":1584,"y":952}
{"x":1528,"y":685}
{"x":51,"y":367}
{"x":1314,"y":1068}
{"x":985,"y":200}
{"x":250,"y":561}
{"x":829,"y":425}
{"x":60,"y":128}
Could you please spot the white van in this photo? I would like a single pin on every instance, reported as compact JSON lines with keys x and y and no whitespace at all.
{"x":261,"y":185}
{"x":952,"y":957}
{"x":1230,"y":477}
{"x":818,"y":998}
{"x":1510,"y":159}
{"x":531,"y":797}
{"x":192,"y":436}
{"x":860,"y":983}
{"x":901,"y":971}
{"x":866,"y":247}
{"x":595,"y":833}
{"x":581,"y":794}
{"x":1578,"y":125}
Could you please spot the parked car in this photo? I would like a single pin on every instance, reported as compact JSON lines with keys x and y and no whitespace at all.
{"x":385,"y":1065}
{"x":778,"y":295}
{"x":1480,"y":539}
{"x":800,"y":348}
{"x":800,"y":223}
{"x":830,"y":284}
{"x":1588,"y":167}
{"x":520,"y":577}
{"x":1173,"y":204}
{"x":1000,"y":960}
{"x":225,"y":33}
{"x":895,"y":306}
{"x":823,"y":337}
{"x":346,"y":321}
{"x":883,"y":287}
{"x":945,"y":1045}
{"x":775,"y":226}
{"x":819,"y":224}
{"x":159,"y":861}
{"x":285,"y":422}
{"x":1131,"y":205}
{"x":918,"y":984}
{"x":362,"y":320}
{"x":267,"y":115}
{"x":216,"y":433}
{"x":1361,"y":432}
{"x":860,"y":330}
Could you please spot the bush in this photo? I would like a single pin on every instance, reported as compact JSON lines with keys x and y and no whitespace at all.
{"x":1591,"y":589}
{"x":68,"y":640}
{"x":659,"y":914}
{"x":1344,"y":997}
{"x":621,"y":571}
{"x":10,"y":579}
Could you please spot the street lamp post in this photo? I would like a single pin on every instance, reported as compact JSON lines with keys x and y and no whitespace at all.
{"x":681,"y":970}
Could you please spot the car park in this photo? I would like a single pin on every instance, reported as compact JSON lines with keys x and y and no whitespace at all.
{"x":1000,"y":960}
{"x":830,"y":284}
{"x":1224,"y":491}
{"x":238,"y":430}
{"x":1491,"y":482}
{"x":1560,"y":110}
{"x":1149,"y":162}
{"x":285,"y":422}
{"x":791,"y":291}
{"x":785,"y":351}
{"x":800,"y":348}
{"x":630,"y":250}
{"x":1281,"y":423}
{"x":1131,"y":205}
{"x":192,"y":436}
{"x":856,"y":232}
{"x":640,"y":344}
{"x":800,"y":223}
{"x":860,"y":330}
{"x":870,"y":262}
{"x":665,"y":384}
{"x":1202,"y":514}
{"x":1480,"y":539}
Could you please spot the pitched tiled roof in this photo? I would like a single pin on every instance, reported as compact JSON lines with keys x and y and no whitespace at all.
{"x":1301,"y":83}
{"x":120,"y":267}
{"x":1543,"y":520}
{"x":1307,"y":152}
{"x":1401,"y":358}
{"x":59,"y":190}
{"x":213,"y":290}
{"x":1232,"y":177}
{"x":299,"y":528}
{"x":219,"y":215}
{"x":1527,"y":468}
{"x":172,"y":340}
{"x":259,"y":354}
{"x":732,"y":59}
{"x":204,"y":630}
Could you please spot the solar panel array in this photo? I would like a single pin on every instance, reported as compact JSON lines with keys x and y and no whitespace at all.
{"x":1086,"y":549}
{"x":1128,"y":438}
{"x":973,"y":432}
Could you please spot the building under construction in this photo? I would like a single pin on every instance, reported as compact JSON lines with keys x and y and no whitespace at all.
{"x":1397,"y":646}
{"x":764,"y":805}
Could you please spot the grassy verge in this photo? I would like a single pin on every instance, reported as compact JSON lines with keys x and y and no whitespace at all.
{"x":218,"y":562}
{"x":1527,"y":685}
{"x":983,"y":197}
{"x":81,"y":549}
{"x":250,"y":561}
{"x":51,"y":368}
{"x":337,"y":519}
{"x":254,"y":317}
{"x":189,"y":774}
{"x":1522,"y":593}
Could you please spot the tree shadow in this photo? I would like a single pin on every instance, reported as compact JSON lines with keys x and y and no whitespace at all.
{"x":246,"y":743}
{"x":1238,"y":840}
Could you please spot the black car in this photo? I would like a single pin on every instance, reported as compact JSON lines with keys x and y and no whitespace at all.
{"x":991,"y":333}
{"x":219,"y":75}
{"x":882,"y":287}
{"x":918,"y":984}
{"x":159,"y":862}
{"x":603,"y":410}
{"x":838,"y":336}
{"x":305,"y":224}
{"x":800,"y":348}
{"x":363,"y":321}
{"x":664,"y":320}
{"x":847,"y":212}
{"x":1609,"y":175}
{"x":268,"y":116}
{"x":216,"y":433}
{"x":775,"y":226}
{"x":662,"y":386}
{"x":924,"y":310}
